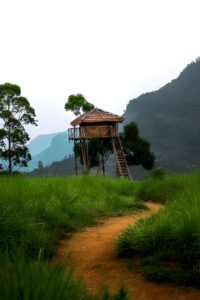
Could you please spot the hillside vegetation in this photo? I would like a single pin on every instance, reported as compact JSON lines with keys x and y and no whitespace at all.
{"x":169,"y":119}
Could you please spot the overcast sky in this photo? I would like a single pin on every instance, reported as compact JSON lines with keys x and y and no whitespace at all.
{"x":111,"y":51}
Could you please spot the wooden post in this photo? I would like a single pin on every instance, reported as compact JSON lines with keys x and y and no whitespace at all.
{"x":88,"y":163}
{"x":84,"y":158}
{"x":75,"y":161}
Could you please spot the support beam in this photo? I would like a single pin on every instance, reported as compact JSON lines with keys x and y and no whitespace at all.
{"x":75,"y":161}
{"x":84,"y":158}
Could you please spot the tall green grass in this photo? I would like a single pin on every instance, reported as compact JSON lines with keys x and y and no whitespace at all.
{"x":167,"y":188}
{"x":36,"y":279}
{"x":35,"y":213}
{"x":168,"y":242}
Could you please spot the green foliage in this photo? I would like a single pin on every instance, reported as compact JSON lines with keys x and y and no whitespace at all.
{"x":168,"y":242}
{"x":15,"y":112}
{"x":137,"y":149}
{"x":78,"y":104}
{"x":164,"y":190}
{"x":158,"y":173}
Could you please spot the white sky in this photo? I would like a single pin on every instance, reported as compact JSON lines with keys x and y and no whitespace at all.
{"x":111,"y":51}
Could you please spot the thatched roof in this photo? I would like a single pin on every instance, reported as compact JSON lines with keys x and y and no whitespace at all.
{"x":97,"y":115}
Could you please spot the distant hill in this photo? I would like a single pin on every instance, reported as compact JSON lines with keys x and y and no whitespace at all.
{"x":170,"y":119}
{"x":40,"y":143}
{"x":65,"y":167}
{"x":58,"y":149}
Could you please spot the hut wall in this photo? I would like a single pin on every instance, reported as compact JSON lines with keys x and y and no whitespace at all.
{"x":100,"y":130}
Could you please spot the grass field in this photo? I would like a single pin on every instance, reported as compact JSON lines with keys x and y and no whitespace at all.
{"x":35,"y":213}
{"x":168,"y":242}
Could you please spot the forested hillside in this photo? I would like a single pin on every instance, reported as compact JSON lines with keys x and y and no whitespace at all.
{"x":170,"y":119}
{"x":64,"y":167}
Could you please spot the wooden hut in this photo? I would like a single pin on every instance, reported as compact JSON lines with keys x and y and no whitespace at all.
{"x":101,"y":124}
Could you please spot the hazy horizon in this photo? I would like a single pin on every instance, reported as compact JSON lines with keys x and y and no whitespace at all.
{"x":110,"y":51}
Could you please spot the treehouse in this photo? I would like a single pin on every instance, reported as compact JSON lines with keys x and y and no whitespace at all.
{"x":95,"y":123}
{"x":101,"y":124}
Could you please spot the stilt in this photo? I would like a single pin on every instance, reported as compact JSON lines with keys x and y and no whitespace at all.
{"x":84,"y":157}
{"x":75,"y":161}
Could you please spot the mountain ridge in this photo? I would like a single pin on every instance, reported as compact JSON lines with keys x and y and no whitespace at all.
{"x":169,"y":119}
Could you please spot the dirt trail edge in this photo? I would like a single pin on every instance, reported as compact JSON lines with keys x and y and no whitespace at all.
{"x":92,"y":250}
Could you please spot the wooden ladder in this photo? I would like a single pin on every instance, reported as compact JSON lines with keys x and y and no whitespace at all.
{"x":122,"y":167}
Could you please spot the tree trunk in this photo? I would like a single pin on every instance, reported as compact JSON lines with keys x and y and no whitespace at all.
{"x":9,"y":152}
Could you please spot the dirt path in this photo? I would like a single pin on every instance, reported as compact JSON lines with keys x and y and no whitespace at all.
{"x":92,"y":250}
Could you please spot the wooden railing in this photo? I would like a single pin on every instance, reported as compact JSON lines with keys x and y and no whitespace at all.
{"x":92,"y":131}
{"x":73,"y":133}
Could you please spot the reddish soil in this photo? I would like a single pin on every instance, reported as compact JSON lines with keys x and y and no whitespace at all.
{"x":93,"y":253}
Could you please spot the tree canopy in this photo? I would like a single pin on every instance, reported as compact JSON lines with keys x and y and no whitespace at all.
{"x":137,"y":149}
{"x":78,"y":104}
{"x":15,"y":112}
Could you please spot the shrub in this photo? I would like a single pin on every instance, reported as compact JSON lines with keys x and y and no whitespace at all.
{"x":158,"y":173}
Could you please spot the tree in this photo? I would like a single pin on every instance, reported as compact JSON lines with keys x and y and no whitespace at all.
{"x":136,"y":149}
{"x":15,"y":112}
{"x":40,"y":164}
{"x":78,"y":104}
